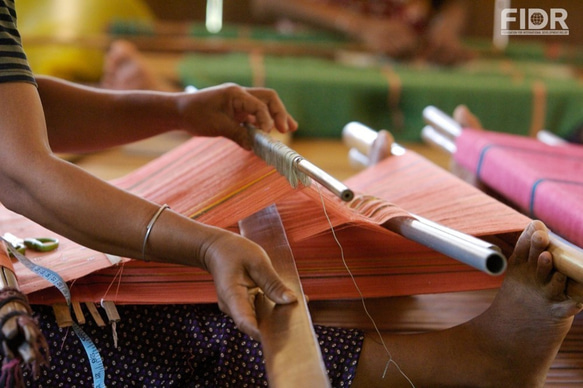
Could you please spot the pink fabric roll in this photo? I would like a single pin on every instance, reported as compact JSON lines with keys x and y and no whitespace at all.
{"x":544,"y":181}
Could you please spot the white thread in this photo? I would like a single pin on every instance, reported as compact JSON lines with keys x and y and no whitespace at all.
{"x":117,"y":275}
{"x":280,"y":156}
{"x":390,"y":360}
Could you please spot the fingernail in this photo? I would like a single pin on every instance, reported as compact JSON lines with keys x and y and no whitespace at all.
{"x":289,"y":297}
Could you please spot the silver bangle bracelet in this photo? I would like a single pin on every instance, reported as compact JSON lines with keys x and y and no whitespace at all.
{"x":149,"y":229}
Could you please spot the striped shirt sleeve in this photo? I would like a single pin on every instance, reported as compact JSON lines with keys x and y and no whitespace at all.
{"x":14,"y":66}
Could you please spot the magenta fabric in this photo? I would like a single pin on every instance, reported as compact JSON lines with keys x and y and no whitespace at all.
{"x":546,"y":182}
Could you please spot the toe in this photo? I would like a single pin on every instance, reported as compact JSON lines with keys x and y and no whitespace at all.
{"x":544,"y":267}
{"x":522,"y":250}
{"x":539,"y":242}
{"x":558,"y":286}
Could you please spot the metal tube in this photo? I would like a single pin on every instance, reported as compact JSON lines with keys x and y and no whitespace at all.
{"x":547,"y":137}
{"x":436,"y":138}
{"x":278,"y":154}
{"x":486,"y":260}
{"x":322,"y":177}
{"x":359,"y":136}
{"x":441,"y":121}
{"x":357,"y":159}
{"x":464,"y":236}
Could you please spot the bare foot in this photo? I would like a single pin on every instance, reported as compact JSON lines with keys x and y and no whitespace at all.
{"x":530,"y":316}
{"x":126,"y":69}
{"x":512,"y":344}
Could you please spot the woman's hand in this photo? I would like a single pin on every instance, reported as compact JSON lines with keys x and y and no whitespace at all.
{"x":221,"y":111}
{"x":241,"y":268}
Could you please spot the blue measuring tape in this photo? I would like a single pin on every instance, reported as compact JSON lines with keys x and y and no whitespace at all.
{"x":93,"y":355}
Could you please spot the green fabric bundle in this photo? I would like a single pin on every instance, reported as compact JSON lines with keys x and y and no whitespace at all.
{"x":324,"y":95}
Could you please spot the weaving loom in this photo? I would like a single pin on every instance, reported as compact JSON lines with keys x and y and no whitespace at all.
{"x":242,"y":188}
{"x":511,"y":167}
{"x":244,"y":185}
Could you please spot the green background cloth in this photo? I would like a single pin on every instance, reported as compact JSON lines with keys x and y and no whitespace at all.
{"x":324,"y":95}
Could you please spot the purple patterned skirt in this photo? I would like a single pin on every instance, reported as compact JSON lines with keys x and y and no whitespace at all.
{"x":177,"y":346}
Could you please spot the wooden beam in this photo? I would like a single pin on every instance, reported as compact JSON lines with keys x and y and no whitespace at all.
{"x":290,"y":347}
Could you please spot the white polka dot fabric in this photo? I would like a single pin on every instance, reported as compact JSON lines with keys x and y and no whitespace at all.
{"x":177,"y":346}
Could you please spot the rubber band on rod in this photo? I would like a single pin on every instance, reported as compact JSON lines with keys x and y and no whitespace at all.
{"x":149,"y":229}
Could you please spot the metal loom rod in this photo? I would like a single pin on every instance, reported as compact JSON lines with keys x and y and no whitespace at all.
{"x":294,"y":166}
{"x":437,"y":139}
{"x":361,"y":138}
{"x":442,"y":121}
{"x":482,"y":256}
{"x":456,"y":233}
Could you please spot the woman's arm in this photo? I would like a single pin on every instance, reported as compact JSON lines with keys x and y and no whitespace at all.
{"x":75,"y":204}
{"x":81,"y":118}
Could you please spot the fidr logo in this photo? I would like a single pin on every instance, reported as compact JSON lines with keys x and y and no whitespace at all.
{"x":533,"y":21}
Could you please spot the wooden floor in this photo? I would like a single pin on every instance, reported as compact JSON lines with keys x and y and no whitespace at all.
{"x":402,"y":314}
